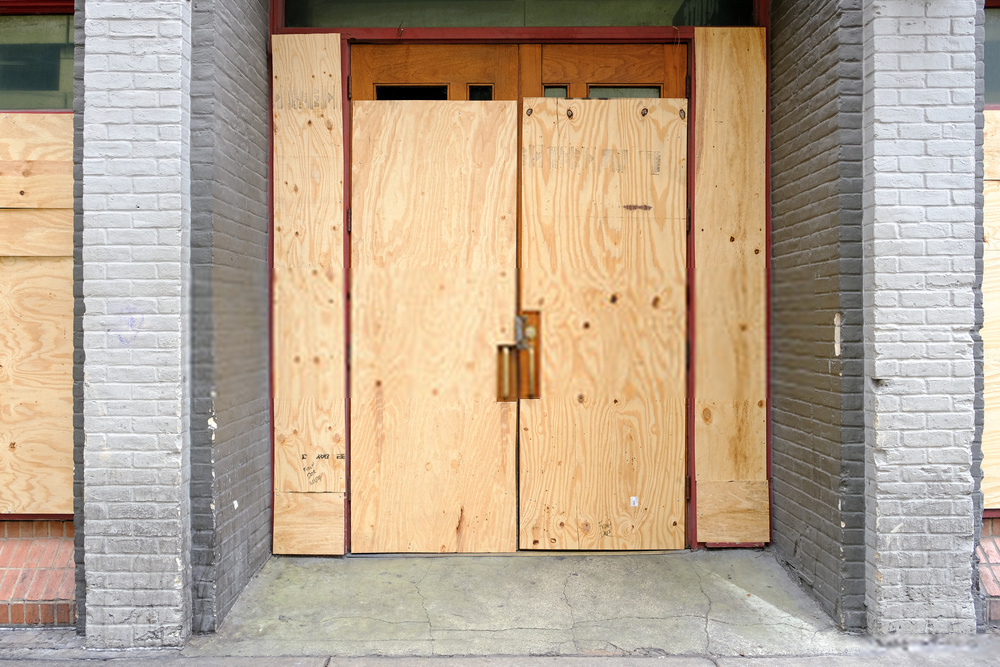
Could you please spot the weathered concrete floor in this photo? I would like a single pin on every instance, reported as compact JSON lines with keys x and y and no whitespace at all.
{"x":701,"y":609}
{"x":701,"y":603}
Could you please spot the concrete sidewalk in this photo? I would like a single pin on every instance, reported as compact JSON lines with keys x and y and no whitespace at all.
{"x":686,"y":608}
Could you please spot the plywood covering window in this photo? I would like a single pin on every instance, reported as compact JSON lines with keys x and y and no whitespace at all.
{"x":36,"y":313}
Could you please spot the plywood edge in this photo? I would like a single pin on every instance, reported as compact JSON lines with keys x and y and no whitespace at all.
{"x":34,"y":190}
{"x":36,"y":232}
{"x":308,"y":524}
{"x":733,"y":512}
{"x":36,"y":136}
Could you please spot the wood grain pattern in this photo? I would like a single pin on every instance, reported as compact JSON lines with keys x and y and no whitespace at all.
{"x":36,"y":385}
{"x":456,"y":65}
{"x":36,"y":232}
{"x":308,"y":279}
{"x":308,"y":151}
{"x":36,"y":136}
{"x":36,"y":184}
{"x":991,"y":144}
{"x":604,"y":255}
{"x":581,"y":65}
{"x":733,"y":512}
{"x":730,"y":355}
{"x":308,"y":524}
{"x":991,"y":344}
{"x":433,"y":270}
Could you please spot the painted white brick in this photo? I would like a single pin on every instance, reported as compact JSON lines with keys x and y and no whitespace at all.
{"x":136,"y":411}
{"x":918,"y":461}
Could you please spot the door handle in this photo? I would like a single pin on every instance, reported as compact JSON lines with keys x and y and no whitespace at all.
{"x":529,"y":339}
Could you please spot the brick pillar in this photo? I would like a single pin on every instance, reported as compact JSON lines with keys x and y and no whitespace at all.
{"x":136,"y":202}
{"x":919,"y":276}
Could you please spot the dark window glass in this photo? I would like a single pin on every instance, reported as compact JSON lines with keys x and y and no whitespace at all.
{"x":480,"y":93}
{"x":411,"y":92}
{"x":36,"y":62}
{"x":514,"y":13}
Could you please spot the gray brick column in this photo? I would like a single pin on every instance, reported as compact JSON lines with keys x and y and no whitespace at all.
{"x":919,"y":277}
{"x":136,"y":227}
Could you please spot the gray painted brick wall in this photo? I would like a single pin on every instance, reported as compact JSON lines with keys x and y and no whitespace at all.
{"x":231,"y":485}
{"x":79,"y":38}
{"x":817,"y":418}
{"x":919,"y":232}
{"x":136,"y":334}
{"x":977,"y":440}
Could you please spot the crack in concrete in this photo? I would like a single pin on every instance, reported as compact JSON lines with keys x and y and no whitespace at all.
{"x":708,"y":613}
{"x":572,"y":614}
{"x":423,"y":605}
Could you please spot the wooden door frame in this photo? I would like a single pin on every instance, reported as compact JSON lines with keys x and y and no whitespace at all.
{"x":548,"y":35}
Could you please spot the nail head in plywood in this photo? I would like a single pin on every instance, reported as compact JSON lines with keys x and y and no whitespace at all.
{"x":308,"y":524}
{"x":36,"y":184}
{"x":730,"y":363}
{"x":36,"y":232}
{"x":604,"y":200}
{"x":36,"y":385}
{"x":433,"y":270}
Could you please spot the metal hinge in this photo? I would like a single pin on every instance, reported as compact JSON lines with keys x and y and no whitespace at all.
{"x":348,"y":86}
{"x":348,"y":221}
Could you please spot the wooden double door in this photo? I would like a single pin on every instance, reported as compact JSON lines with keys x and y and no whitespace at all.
{"x":518,"y":297}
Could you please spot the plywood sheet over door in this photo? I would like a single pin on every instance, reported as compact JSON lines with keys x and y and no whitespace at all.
{"x":36,"y":313}
{"x":602,"y":452}
{"x":730,"y":351}
{"x":308,"y":295}
{"x":433,"y":295}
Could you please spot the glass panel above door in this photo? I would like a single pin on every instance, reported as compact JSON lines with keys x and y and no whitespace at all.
{"x":615,"y":92}
{"x":411,"y":92}
{"x":514,"y":13}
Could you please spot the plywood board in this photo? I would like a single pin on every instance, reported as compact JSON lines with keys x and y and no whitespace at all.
{"x":730,"y":214}
{"x":991,"y":145}
{"x":36,"y":136}
{"x":36,"y":184}
{"x":308,"y":524}
{"x":733,"y":512}
{"x":433,"y":271}
{"x":602,"y":460}
{"x":36,"y":233}
{"x":308,"y":278}
{"x":991,"y":345}
{"x":36,"y":385}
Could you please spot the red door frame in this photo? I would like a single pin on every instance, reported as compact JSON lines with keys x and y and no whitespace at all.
{"x":578,"y":35}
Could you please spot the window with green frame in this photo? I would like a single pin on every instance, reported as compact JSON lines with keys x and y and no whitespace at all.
{"x":514,"y":13}
{"x":36,"y":62}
